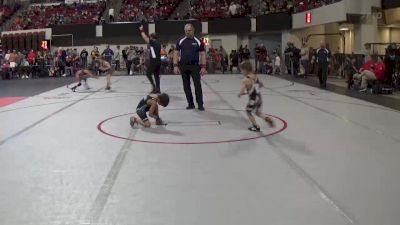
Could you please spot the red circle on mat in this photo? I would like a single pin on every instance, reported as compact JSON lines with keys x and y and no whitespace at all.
{"x":262,"y":135}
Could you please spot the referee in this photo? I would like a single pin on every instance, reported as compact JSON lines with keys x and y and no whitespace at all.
{"x":155,"y":59}
{"x":192,"y":64}
{"x":322,"y":56}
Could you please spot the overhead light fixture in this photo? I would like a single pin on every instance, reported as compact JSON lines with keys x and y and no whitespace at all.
{"x":345,"y":26}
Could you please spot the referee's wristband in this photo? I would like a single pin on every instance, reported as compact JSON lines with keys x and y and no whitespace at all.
{"x":202,"y":66}
{"x":175,"y":65}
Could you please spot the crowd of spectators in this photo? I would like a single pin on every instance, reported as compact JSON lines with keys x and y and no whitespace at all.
{"x":7,"y":11}
{"x":65,"y":62}
{"x":36,"y":17}
{"x":362,"y":72}
{"x":209,"y":9}
{"x":23,"y":64}
{"x":292,"y":6}
{"x":138,"y":10}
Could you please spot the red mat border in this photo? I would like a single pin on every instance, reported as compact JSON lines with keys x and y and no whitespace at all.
{"x":100,"y":128}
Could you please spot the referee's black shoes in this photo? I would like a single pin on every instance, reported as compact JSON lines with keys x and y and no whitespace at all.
{"x":190,"y":107}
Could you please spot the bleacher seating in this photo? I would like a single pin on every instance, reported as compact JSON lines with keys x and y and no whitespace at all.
{"x":37,"y":17}
{"x":204,"y":10}
{"x":6,"y":12}
{"x":209,"y":9}
{"x":138,"y":10}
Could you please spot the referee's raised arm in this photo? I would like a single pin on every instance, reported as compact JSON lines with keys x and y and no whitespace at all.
{"x":143,"y":34}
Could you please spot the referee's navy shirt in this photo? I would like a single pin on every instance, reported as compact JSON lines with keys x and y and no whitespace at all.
{"x":189,"y":49}
{"x":323,"y":56}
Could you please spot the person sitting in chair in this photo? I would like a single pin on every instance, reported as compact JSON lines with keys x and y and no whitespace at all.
{"x":370,"y":71}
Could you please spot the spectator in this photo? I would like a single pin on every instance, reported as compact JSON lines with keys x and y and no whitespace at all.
{"x":61,"y":59}
{"x":257,"y":55}
{"x":111,"y":14}
{"x":40,"y":60}
{"x":131,"y":55}
{"x":234,"y":58}
{"x":263,"y":53}
{"x":164,"y":59}
{"x":269,"y":66}
{"x":322,"y":57}
{"x":246,"y":53}
{"x":292,"y":57}
{"x":7,"y":56}
{"x":232,"y":9}
{"x":304,"y":60}
{"x":6,"y":70}
{"x":117,"y":58}
{"x":36,"y":17}
{"x":240,"y":51}
{"x":31,"y":57}
{"x":187,"y":16}
{"x":224,"y":59}
{"x":108,"y":54}
{"x":277,"y":63}
{"x":84,"y":57}
{"x":367,"y":73}
{"x":125,"y":56}
{"x":95,"y":54}
{"x":367,"y":51}
{"x":350,"y":70}
{"x":13,"y":59}
{"x":171,"y":57}
{"x":23,"y":67}
{"x":380,"y":69}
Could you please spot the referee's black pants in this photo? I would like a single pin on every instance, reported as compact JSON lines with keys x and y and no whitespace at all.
{"x":322,"y":74}
{"x":192,"y":71}
{"x":129,"y":66}
{"x":154,"y":68}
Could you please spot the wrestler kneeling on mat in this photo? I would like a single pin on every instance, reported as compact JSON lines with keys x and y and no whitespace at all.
{"x":149,"y":104}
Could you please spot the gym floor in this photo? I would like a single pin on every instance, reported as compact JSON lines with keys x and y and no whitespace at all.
{"x":72,"y":158}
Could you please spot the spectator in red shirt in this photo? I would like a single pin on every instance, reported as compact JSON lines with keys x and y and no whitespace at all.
{"x":368,"y":65}
{"x":5,"y":70}
{"x":370,"y":71}
{"x":31,"y":57}
{"x":380,"y":69}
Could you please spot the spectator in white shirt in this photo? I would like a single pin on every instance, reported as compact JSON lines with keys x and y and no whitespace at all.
{"x":117,"y":58}
{"x":233,"y":9}
{"x":111,"y":14}
{"x":277,"y":63}
{"x":7,"y":56}
{"x":304,"y":60}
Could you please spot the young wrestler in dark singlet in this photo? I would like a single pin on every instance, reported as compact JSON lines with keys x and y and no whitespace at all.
{"x":149,"y":104}
{"x":251,"y":86}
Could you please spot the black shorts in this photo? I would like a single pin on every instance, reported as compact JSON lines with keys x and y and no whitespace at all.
{"x":142,"y":113}
{"x":254,"y":105}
